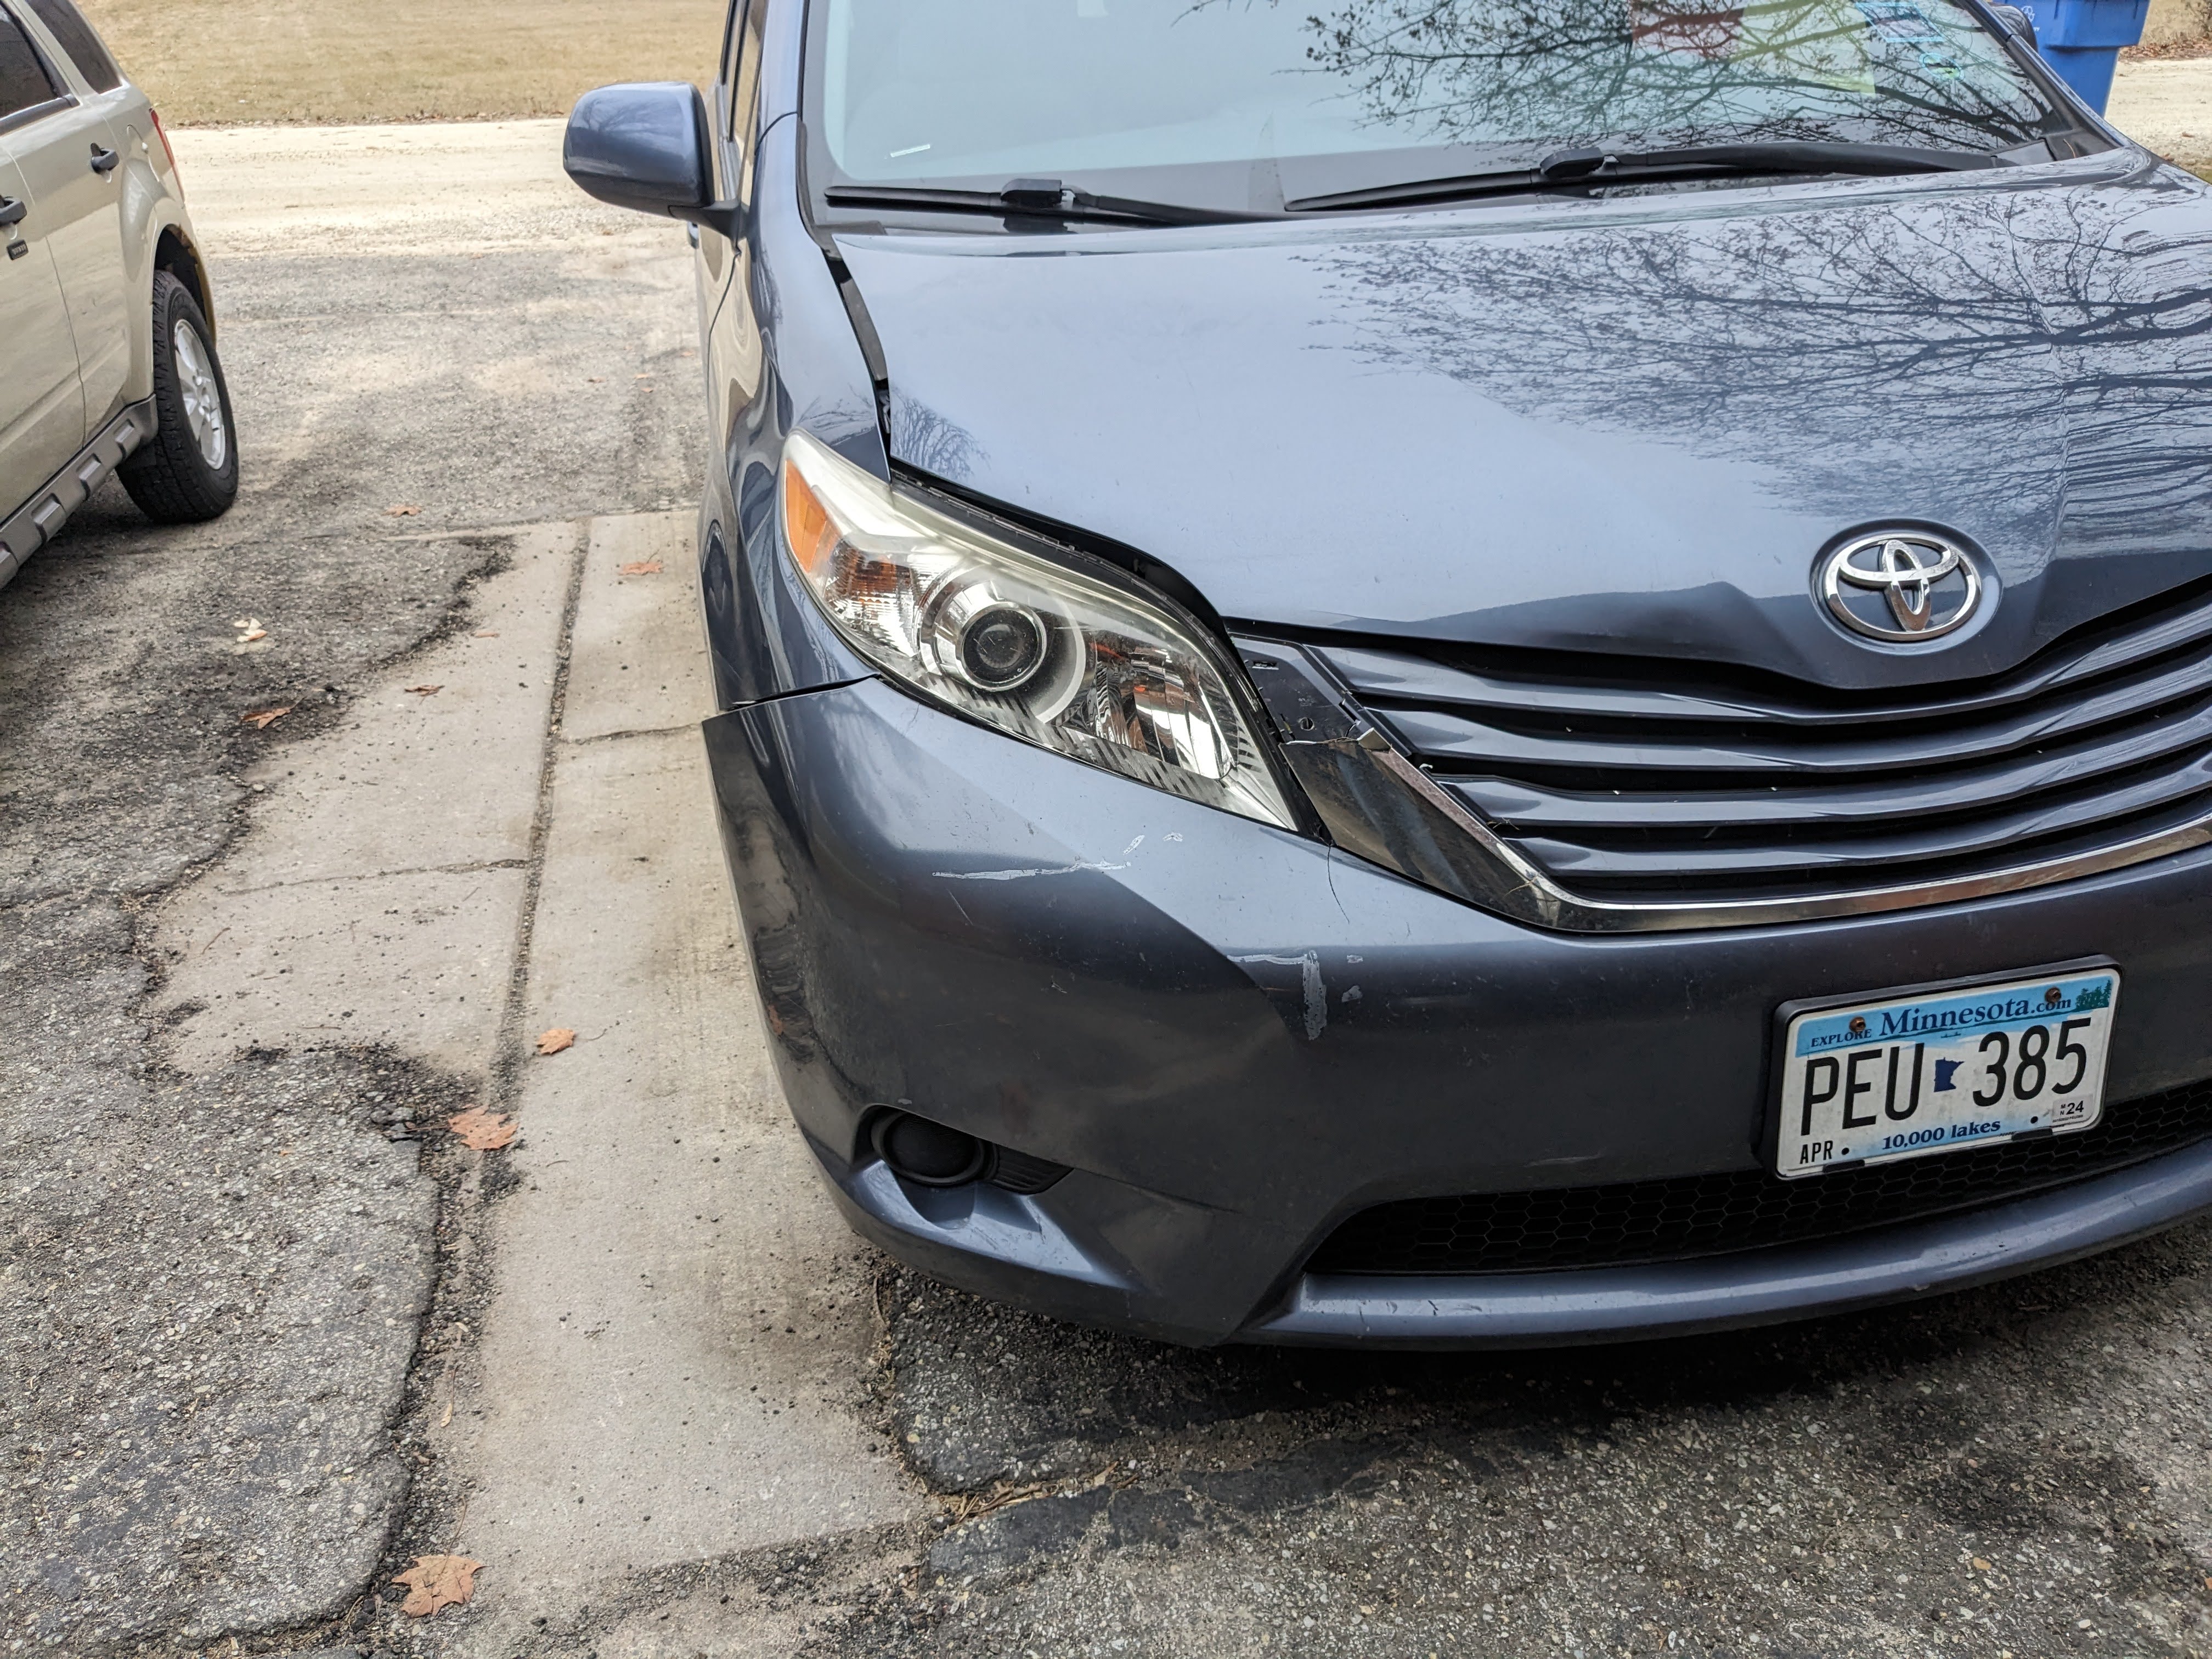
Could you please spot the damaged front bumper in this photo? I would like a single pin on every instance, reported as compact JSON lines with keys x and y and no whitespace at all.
{"x":1235,"y":1038}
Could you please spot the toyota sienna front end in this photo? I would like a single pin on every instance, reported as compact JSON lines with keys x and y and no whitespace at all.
{"x":1452,"y":675}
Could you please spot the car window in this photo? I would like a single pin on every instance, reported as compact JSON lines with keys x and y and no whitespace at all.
{"x":744,"y":86}
{"x":985,"y":90}
{"x":732,"y":30}
{"x":24,"y":83}
{"x":67,"y":25}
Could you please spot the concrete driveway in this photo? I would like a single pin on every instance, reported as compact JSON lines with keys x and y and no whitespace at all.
{"x":270,"y":1330}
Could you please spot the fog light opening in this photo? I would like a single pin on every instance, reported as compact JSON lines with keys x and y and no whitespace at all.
{"x":928,"y":1154}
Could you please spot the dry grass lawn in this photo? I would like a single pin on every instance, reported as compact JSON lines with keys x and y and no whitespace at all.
{"x":217,"y":62}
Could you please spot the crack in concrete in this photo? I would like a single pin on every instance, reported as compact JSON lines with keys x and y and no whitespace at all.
{"x":469,"y":869}
{"x":632,"y":731}
{"x":507,"y":1059}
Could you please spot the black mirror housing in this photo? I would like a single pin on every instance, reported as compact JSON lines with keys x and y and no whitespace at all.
{"x":646,"y":145}
{"x":2017,"y":19}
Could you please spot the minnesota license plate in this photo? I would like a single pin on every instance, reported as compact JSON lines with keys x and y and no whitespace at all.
{"x":1939,"y":1071}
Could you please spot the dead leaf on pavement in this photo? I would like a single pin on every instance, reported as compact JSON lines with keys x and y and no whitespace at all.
{"x":426,"y":690}
{"x":486,"y":633}
{"x":553,"y":1042}
{"x":262,"y":718}
{"x":438,"y":1580}
{"x":404,"y":511}
{"x":486,"y":1131}
{"x":642,"y":568}
{"x":250,"y":629}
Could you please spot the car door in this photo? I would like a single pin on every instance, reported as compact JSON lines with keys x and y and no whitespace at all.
{"x":71,"y":156}
{"x":733,"y":342}
{"x":41,"y":403}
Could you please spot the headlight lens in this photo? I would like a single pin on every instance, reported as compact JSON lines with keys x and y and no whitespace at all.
{"x":1042,"y":652}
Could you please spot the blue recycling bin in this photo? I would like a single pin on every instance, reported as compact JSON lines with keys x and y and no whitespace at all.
{"x":2082,"y":40}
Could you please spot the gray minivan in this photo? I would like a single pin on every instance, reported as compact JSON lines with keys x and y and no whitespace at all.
{"x":1539,"y":678}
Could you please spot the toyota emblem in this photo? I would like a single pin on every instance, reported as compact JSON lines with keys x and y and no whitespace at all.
{"x":1901,"y":587}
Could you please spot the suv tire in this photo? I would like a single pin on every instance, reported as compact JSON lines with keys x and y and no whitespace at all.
{"x":189,"y":472}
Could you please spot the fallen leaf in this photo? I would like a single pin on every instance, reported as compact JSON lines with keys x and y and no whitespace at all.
{"x":486,"y":633}
{"x":262,"y":718}
{"x":1980,"y":1565}
{"x":438,"y":1580}
{"x":404,"y":511}
{"x":640,"y":377}
{"x":553,"y":1042}
{"x":486,"y":1131}
{"x":447,"y":1416}
{"x":641,"y":567}
{"x":426,"y":690}
{"x":250,"y":629}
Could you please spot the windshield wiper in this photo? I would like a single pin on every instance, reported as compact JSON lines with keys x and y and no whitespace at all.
{"x":1573,"y":169}
{"x":1033,"y":199}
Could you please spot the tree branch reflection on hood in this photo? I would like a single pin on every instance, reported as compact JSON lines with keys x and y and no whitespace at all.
{"x":2019,"y":341}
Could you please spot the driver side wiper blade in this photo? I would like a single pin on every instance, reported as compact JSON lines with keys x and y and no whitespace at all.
{"x":1033,"y":199}
{"x":1572,"y":169}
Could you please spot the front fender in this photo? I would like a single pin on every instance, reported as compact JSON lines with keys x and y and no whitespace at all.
{"x":153,"y":212}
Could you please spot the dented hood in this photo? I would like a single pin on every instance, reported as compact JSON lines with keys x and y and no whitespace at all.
{"x":1625,"y":427}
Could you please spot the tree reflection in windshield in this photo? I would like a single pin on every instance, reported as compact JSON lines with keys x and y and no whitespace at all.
{"x":1657,"y":72}
{"x":1354,"y":93}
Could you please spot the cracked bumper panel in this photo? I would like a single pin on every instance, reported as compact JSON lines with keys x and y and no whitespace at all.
{"x":1236,"y":1037}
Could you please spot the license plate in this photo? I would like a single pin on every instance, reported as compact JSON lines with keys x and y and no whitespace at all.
{"x":1907,"y":1074}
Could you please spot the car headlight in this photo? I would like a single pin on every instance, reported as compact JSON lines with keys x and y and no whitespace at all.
{"x":1042,"y":651}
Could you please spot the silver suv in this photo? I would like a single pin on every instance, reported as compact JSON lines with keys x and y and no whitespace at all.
{"x":108,"y":358}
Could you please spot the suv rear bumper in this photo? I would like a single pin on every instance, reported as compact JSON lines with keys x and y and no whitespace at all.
{"x":1236,"y":1037}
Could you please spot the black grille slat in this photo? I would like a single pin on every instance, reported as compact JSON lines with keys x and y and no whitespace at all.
{"x":1692,"y":1216}
{"x":2185,"y":786}
{"x":1639,"y":780}
{"x":1522,"y":805}
{"x":1598,"y":687}
{"x":1451,"y":738}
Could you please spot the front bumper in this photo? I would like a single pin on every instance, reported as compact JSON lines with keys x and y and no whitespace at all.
{"x":1236,"y":1037}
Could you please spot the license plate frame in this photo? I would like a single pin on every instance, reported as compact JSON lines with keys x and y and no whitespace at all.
{"x":1791,"y":1154}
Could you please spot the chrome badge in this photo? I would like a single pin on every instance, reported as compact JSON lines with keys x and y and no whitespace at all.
{"x":1902,"y":587}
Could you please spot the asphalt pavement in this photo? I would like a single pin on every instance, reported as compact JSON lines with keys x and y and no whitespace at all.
{"x":271,"y":1331}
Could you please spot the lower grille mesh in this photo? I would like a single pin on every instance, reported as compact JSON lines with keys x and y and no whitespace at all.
{"x":1741,"y":1210}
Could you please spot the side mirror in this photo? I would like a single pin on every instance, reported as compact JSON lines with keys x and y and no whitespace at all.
{"x":2016,"y":19}
{"x":646,"y":145}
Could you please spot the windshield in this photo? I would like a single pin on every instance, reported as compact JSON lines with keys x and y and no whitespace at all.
{"x":1249,"y":102}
